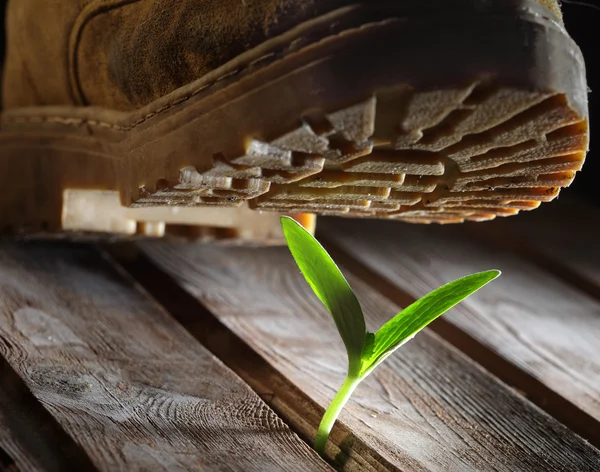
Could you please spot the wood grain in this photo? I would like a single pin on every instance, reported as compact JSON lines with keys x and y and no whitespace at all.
{"x":561,"y":237}
{"x":529,"y":318}
{"x":123,"y":378}
{"x":428,"y":408}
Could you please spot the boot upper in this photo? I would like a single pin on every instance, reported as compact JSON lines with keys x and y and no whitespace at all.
{"x":123,"y":54}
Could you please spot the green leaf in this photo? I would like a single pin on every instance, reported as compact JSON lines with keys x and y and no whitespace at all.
{"x":406,"y":324}
{"x":328,"y":283}
{"x":368,"y":345}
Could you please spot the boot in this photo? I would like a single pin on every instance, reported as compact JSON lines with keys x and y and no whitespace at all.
{"x":208,"y":118}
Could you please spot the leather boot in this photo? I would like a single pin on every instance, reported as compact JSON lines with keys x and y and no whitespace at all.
{"x":186,"y":117}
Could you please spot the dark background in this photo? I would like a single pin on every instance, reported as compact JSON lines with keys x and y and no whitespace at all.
{"x":581,"y":21}
{"x":581,"y":18}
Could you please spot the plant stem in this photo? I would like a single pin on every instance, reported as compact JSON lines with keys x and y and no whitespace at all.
{"x":332,"y":413}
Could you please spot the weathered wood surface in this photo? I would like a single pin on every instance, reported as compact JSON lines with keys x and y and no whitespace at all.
{"x":123,"y":378}
{"x":563,"y":237}
{"x":546,"y":328}
{"x":428,"y":408}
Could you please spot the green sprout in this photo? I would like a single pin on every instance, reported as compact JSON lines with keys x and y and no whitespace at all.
{"x":365,"y":350}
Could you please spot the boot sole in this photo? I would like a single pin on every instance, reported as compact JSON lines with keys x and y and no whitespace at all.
{"x":360,"y":113}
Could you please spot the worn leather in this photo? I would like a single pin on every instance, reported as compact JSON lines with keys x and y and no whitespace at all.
{"x":35,"y":68}
{"x":123,"y":54}
{"x":178,"y":44}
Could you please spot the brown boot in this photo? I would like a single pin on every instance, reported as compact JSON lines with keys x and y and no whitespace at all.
{"x":127,"y":116}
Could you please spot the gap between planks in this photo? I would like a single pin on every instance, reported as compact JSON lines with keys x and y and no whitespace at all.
{"x":31,"y":439}
{"x":235,"y":285}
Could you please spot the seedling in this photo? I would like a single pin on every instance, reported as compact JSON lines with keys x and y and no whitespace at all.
{"x":366,"y":350}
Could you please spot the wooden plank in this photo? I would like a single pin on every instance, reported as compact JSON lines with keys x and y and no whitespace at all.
{"x":562,"y":237}
{"x":529,"y":318}
{"x":123,"y":378}
{"x":428,"y":408}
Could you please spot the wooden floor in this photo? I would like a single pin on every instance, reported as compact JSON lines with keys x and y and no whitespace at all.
{"x":165,"y":356}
